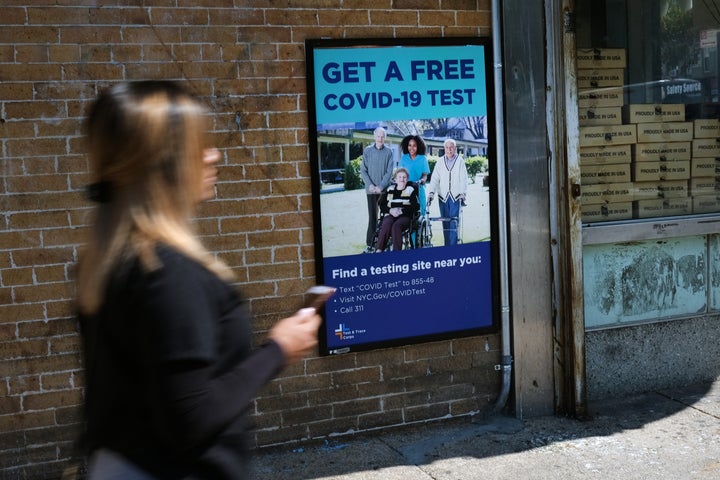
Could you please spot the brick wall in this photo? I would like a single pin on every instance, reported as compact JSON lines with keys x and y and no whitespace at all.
{"x":246,"y":59}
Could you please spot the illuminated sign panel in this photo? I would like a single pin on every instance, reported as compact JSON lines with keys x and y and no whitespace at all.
{"x":435,"y":285}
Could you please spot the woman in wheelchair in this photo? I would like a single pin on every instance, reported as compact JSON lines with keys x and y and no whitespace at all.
{"x":398,"y":205}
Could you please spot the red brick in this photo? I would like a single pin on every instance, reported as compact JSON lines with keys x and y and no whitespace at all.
{"x":299,"y":17}
{"x":266,"y":421}
{"x":281,"y":402}
{"x":426,"y":412}
{"x":32,"y":454}
{"x":65,"y":344}
{"x":356,"y":407}
{"x":418,"y":5}
{"x":44,"y":201}
{"x":302,"y":416}
{"x":357,"y":375}
{"x":35,"y":72}
{"x":24,"y":384}
{"x":56,"y":381}
{"x":24,"y":421}
{"x":16,"y":91}
{"x":19,"y":313}
{"x":9,"y":405}
{"x":274,"y":238}
{"x":21,"y":148}
{"x":246,"y":224}
{"x":61,"y":310}
{"x":333,"y":427}
{"x":305,"y":383}
{"x":275,"y":435}
{"x":43,"y":256}
{"x":427,"y":350}
{"x":62,"y":326}
{"x":343,"y":17}
{"x":264,"y":34}
{"x":235,"y":16}
{"x":272,"y":272}
{"x":28,"y":34}
{"x":380,"y":419}
{"x":36,"y":184}
{"x":96,"y":53}
{"x":257,"y":290}
{"x":31,"y":54}
{"x":87,"y":34}
{"x":16,"y":276}
{"x":64,"y":53}
{"x":69,"y":415}
{"x":289,"y":253}
{"x":14,"y":15}
{"x":128,"y":15}
{"x":59,"y":433}
{"x":23,"y":349}
{"x":58,"y":16}
{"x":62,"y":237}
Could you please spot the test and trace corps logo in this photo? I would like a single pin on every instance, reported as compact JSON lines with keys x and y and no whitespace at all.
{"x":343,"y":332}
{"x":340,"y":331}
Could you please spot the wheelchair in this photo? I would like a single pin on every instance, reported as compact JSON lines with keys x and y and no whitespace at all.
{"x":417,"y":235}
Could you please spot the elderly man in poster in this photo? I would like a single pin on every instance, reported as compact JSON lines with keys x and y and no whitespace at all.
{"x":449,"y":179}
{"x":376,"y":171}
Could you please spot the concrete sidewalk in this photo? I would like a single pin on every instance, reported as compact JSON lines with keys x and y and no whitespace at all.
{"x":670,"y":434}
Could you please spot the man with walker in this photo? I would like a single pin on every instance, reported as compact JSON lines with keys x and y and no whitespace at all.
{"x":449,"y":179}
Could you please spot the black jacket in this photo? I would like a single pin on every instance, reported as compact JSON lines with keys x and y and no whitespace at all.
{"x":170,"y":370}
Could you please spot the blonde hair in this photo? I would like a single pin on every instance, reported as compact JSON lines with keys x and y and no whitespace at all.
{"x":401,"y":169}
{"x":145,"y":144}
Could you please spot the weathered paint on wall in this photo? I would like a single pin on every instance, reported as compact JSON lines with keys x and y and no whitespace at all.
{"x":647,"y":280}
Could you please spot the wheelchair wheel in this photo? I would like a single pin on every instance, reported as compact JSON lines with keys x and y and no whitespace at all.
{"x":424,"y":235}
{"x":407,"y":240}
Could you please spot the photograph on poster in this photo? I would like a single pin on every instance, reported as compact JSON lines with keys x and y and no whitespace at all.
{"x":404,"y":208}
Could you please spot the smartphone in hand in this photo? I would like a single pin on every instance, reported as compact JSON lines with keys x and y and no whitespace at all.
{"x":317,"y":295}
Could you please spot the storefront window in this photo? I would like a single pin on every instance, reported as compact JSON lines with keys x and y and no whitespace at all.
{"x":647,"y":80}
{"x":649,"y":155}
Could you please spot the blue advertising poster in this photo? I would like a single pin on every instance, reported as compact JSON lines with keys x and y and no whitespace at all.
{"x":403,"y":197}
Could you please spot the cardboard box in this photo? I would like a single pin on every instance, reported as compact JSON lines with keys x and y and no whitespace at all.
{"x":705,"y":167}
{"x":661,"y":151}
{"x":601,"y":58}
{"x":707,"y":128}
{"x":706,"y":204}
{"x":599,"y":78}
{"x":601,"y":97}
{"x":661,"y":189}
{"x":656,"y":171}
{"x":664,"y":207}
{"x":704,"y":186}
{"x":608,"y":154}
{"x":600,"y":116}
{"x":706,"y":147}
{"x":665,"y":132}
{"x":654,"y":112}
{"x":606,"y":212}
{"x":608,"y":135}
{"x":610,"y":173}
{"x":606,"y":193}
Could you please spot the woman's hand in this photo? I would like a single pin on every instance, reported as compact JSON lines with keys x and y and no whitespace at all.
{"x":396,"y":211}
{"x":296,"y":335}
